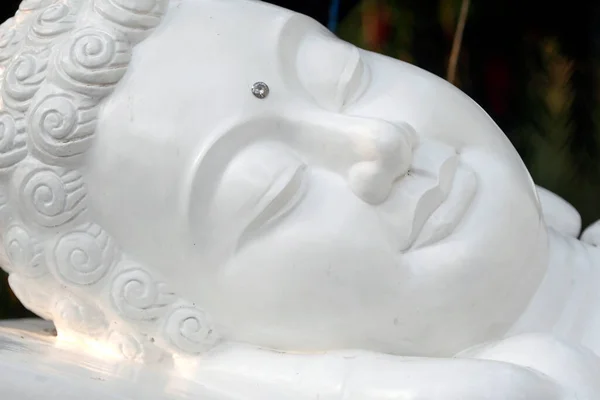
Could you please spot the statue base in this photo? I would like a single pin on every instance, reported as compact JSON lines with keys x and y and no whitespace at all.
{"x":35,"y":365}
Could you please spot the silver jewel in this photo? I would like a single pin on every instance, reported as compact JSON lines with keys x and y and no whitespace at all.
{"x":260,"y":90}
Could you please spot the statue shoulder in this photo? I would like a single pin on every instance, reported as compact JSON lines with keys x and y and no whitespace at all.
{"x":591,"y":235}
{"x":559,"y":214}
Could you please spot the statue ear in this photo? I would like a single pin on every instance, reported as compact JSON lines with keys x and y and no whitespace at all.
{"x":559,"y":214}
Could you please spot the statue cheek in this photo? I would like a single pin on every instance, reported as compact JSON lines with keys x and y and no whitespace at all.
{"x":309,"y":255}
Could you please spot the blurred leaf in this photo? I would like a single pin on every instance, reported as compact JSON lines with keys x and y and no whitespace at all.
{"x":449,"y":11}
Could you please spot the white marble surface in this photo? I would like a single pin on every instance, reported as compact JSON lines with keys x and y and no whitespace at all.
{"x":35,"y":365}
{"x":356,"y":232}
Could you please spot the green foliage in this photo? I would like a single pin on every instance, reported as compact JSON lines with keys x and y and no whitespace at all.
{"x":550,"y":127}
{"x":553,"y":157}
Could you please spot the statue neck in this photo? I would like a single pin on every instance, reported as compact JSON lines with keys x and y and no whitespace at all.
{"x":567,"y":303}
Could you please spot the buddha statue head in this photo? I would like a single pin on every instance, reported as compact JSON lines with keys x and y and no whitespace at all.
{"x":177,"y":174}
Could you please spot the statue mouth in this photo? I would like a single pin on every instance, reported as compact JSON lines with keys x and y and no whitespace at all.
{"x":430,"y":201}
{"x":445,"y":218}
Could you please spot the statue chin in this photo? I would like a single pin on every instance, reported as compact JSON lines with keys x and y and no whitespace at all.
{"x":191,"y":187}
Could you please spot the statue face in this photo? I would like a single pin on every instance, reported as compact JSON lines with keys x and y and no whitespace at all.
{"x":363,"y":203}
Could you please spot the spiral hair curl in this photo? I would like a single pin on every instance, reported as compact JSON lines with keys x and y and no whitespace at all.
{"x":58,"y":60}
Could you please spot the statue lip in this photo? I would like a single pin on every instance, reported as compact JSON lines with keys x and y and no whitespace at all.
{"x":444,"y":219}
{"x":431,"y":199}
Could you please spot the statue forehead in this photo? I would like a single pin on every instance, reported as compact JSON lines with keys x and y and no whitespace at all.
{"x":201,"y":33}
{"x":187,"y":87}
{"x":218,"y":21}
{"x":206,"y":55}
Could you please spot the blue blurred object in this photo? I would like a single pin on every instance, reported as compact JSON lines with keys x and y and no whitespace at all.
{"x":334,"y":14}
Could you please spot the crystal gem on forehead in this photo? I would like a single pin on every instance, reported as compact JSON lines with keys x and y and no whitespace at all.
{"x":260,"y":90}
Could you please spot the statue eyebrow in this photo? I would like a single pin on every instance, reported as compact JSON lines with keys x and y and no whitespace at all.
{"x":293,"y":31}
{"x":214,"y":157}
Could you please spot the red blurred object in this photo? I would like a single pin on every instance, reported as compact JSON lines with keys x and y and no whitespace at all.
{"x":497,"y":85}
{"x":376,"y":24}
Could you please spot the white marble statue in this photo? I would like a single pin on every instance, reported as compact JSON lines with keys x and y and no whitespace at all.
{"x":219,"y":199}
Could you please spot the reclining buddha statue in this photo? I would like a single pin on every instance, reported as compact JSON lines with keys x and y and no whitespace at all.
{"x":219,"y":199}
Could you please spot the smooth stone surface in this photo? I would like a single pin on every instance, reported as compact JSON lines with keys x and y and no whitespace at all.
{"x":35,"y":365}
{"x":32,"y":366}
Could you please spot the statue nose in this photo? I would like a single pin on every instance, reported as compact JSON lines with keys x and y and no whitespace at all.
{"x":371,"y":153}
{"x":385,"y":155}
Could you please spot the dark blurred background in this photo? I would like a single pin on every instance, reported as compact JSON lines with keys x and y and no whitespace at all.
{"x":533,"y":65}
